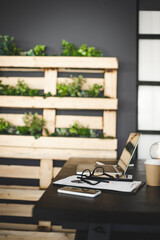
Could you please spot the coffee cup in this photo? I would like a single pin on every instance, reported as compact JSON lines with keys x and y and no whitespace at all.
{"x":153,"y":172}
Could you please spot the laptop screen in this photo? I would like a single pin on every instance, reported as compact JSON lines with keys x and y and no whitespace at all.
{"x":128,"y":151}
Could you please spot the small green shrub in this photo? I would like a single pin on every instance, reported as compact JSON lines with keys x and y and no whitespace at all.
{"x":76,"y":130}
{"x":8,"y":46}
{"x":71,"y":89}
{"x":34,"y":124}
{"x":38,"y":50}
{"x":70,"y":49}
{"x":5,"y":126}
{"x":21,"y":89}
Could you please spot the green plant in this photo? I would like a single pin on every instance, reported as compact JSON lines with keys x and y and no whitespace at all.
{"x":76,"y":130}
{"x":5,"y":126}
{"x":8,"y":46}
{"x":38,"y":50}
{"x":71,"y":89}
{"x":70,"y":49}
{"x":94,"y":91}
{"x":86,"y":51}
{"x":34,"y":124}
{"x":21,"y":89}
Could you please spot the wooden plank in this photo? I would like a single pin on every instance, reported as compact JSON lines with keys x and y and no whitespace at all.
{"x":109,"y":121}
{"x":110,"y":83}
{"x":15,"y":119}
{"x":76,"y":70}
{"x":32,"y":235}
{"x":22,"y":69}
{"x":33,"y":227}
{"x":12,"y":171}
{"x":32,"y":82}
{"x":19,"y":210}
{"x":44,"y":226}
{"x":92,"y":122}
{"x":49,"y":116}
{"x":18,"y":226}
{"x":20,"y":194}
{"x":61,"y":121}
{"x":55,"y":171}
{"x":58,"y":142}
{"x":46,"y":166}
{"x":19,"y":187}
{"x":50,"y":153}
{"x":50,"y":76}
{"x":59,"y":103}
{"x":89,"y":82}
{"x":59,"y":62}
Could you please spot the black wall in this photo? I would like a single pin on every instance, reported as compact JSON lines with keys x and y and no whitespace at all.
{"x":109,"y":25}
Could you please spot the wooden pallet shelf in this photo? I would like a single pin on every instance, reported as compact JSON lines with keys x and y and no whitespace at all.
{"x":46,"y":149}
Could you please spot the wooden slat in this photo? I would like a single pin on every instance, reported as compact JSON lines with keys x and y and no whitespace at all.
{"x":34,"y":227}
{"x":50,"y":153}
{"x":76,"y":70}
{"x":19,"y":210}
{"x":32,"y":82}
{"x":20,"y":194}
{"x":44,"y":225}
{"x":61,"y":121}
{"x":15,"y":119}
{"x":89,"y":82}
{"x":26,"y":235}
{"x":109,"y":120}
{"x":19,"y":171}
{"x":50,"y":76}
{"x":59,"y":103}
{"x":46,"y":166}
{"x":18,"y":226}
{"x":22,"y":69}
{"x":49,"y":116}
{"x":110,"y":83}
{"x":59,"y":62}
{"x":55,"y":171}
{"x":58,"y":142}
{"x":19,"y":187}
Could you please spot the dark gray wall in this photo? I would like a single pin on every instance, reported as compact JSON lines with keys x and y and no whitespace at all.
{"x":109,"y":25}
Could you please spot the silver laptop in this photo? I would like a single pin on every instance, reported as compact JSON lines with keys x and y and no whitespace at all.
{"x":125,"y":157}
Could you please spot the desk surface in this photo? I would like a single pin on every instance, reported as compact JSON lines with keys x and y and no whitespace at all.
{"x":140,"y":208}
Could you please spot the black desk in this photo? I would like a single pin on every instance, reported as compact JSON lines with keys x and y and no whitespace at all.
{"x":117,"y":212}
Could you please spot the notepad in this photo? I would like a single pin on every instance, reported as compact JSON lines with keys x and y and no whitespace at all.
{"x":117,"y":186}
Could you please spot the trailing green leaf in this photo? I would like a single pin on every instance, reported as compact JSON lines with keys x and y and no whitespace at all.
{"x":38,"y":50}
{"x":76,"y":130}
{"x":71,"y":89}
{"x":8,"y":46}
{"x":21,"y":89}
{"x":70,"y":49}
{"x":34,"y":124}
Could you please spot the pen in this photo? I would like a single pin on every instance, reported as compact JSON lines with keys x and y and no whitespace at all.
{"x":99,"y":179}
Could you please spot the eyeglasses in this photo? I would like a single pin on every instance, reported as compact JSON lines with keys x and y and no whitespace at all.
{"x":98,"y":175}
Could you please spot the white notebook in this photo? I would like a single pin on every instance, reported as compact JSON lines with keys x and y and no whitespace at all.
{"x":118,"y":186}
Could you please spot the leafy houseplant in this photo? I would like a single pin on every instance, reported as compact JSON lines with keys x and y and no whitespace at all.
{"x":21,"y":89}
{"x":38,"y":50}
{"x":33,"y":126}
{"x":73,"y":89}
{"x":70,"y":49}
{"x":76,"y":130}
{"x":8,"y":46}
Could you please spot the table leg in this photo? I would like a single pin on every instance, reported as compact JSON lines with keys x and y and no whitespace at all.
{"x":99,"y":231}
